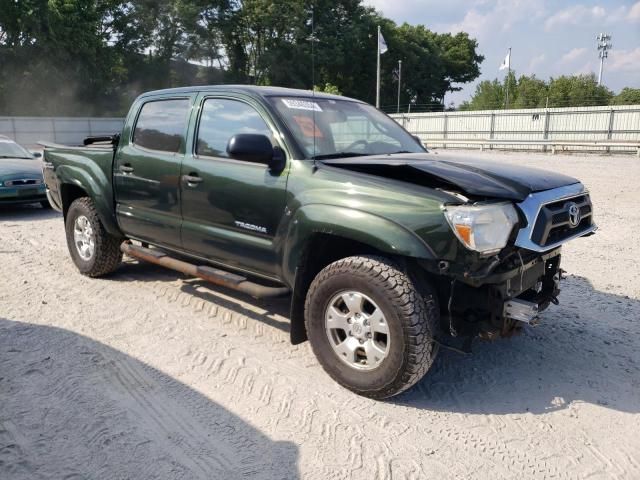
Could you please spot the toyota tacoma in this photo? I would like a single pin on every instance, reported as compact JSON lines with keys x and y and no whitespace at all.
{"x":386,"y":251}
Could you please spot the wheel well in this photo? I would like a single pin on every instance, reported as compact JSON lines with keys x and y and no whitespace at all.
{"x":69,"y":193}
{"x":322,"y":250}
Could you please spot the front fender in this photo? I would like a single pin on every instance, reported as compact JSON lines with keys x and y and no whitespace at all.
{"x":378,"y":232}
{"x":90,"y":178}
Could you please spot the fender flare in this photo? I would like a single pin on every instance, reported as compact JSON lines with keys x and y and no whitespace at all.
{"x":380,"y":233}
{"x":97,"y":187}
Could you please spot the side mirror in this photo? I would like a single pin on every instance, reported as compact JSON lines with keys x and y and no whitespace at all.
{"x":37,"y":155}
{"x":256,"y":148}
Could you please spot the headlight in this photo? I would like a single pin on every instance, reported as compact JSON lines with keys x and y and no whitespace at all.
{"x":484,"y":228}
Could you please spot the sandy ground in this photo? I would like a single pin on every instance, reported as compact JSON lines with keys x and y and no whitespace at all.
{"x":147,"y":374}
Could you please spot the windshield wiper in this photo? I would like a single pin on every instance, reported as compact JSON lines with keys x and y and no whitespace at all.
{"x":339,"y":155}
{"x":11,"y":156}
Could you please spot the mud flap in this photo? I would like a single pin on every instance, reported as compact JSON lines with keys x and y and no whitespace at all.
{"x":297,"y":330}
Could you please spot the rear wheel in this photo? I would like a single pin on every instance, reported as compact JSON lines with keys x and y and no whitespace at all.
{"x":92,"y":249}
{"x":369,"y":327}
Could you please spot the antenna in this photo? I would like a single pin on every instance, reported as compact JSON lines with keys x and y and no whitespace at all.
{"x":603,"y":46}
{"x":313,"y":77}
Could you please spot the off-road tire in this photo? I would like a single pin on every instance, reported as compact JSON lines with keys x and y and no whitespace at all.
{"x":412,"y":317}
{"x":107,"y":255}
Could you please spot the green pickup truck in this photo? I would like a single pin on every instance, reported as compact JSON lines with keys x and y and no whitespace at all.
{"x":386,"y":251}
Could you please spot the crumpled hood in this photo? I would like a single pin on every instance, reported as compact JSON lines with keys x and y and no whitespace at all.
{"x":17,"y":168}
{"x":474,"y":177}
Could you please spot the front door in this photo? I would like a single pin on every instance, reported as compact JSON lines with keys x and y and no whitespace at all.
{"x":232,"y":210}
{"x":147,"y":171}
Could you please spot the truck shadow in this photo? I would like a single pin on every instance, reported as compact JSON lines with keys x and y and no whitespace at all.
{"x":26,"y":213}
{"x":76,"y":408}
{"x":586,"y":350}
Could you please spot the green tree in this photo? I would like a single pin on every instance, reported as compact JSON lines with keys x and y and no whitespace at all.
{"x":577,"y":91}
{"x":489,"y":95}
{"x":328,"y":88}
{"x":62,"y":57}
{"x":531,"y":92}
{"x":627,"y":96}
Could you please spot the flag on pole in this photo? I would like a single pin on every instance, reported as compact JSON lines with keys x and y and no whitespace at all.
{"x":506,"y":63}
{"x":382,"y":45}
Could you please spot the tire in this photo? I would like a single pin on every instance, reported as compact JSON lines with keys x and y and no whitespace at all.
{"x":45,"y":204}
{"x":399,"y":358}
{"x":105,"y":256}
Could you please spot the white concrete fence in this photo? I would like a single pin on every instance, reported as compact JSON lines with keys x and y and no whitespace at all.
{"x":609,"y":129}
{"x":66,"y":130}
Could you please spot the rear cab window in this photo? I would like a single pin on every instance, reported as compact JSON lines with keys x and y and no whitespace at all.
{"x":161,"y":125}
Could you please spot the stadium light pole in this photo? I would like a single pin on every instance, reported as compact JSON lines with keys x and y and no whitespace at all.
{"x":603,"y":46}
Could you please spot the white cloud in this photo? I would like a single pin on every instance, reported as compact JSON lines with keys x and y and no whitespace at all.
{"x":503,"y":15}
{"x":589,"y":15}
{"x":573,"y":55}
{"x":634,"y":13}
{"x":535,"y":62}
{"x":624,"y":60}
{"x":575,"y":15}
{"x":587,"y":68}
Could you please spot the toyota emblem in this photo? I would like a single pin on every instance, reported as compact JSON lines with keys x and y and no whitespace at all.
{"x":574,"y":215}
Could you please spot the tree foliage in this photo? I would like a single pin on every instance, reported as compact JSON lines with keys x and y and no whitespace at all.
{"x":627,"y":96}
{"x":89,"y":57}
{"x":531,"y":92}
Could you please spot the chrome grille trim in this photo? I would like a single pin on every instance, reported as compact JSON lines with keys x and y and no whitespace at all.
{"x":531,"y":207}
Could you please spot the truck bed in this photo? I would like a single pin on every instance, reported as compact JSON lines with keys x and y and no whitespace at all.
{"x":88,"y":167}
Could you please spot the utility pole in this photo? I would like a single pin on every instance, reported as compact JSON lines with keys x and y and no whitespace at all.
{"x":508,"y":78}
{"x":378,"y":71}
{"x":399,"y":83}
{"x":603,"y":46}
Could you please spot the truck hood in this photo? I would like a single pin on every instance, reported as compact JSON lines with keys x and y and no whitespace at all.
{"x":479,"y":178}
{"x":10,"y":168}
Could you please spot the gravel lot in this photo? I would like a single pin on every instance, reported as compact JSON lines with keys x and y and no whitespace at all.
{"x":147,"y":374}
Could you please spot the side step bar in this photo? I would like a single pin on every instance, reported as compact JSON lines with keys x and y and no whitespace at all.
{"x":212,"y":275}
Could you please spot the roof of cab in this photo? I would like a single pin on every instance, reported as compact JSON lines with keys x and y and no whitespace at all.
{"x":253,"y":90}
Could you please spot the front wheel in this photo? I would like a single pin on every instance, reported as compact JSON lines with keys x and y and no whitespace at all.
{"x":92,"y":249}
{"x":369,"y":327}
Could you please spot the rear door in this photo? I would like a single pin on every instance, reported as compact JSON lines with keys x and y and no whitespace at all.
{"x":231,"y":215}
{"x":147,"y":170}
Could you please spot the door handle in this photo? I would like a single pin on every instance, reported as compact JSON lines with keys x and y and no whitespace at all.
{"x":126,"y":168}
{"x":192,"y":179}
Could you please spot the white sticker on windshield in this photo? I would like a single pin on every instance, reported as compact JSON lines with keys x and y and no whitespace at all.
{"x":301,"y":104}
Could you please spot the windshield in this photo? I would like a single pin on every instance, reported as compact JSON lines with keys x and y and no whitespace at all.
{"x":10,"y":149}
{"x":327,"y":128}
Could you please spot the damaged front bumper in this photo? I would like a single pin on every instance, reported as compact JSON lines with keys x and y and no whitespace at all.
{"x":498,"y":303}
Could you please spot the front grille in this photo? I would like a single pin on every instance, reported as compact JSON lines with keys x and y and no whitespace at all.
{"x":554,"y":221}
{"x":23,"y":182}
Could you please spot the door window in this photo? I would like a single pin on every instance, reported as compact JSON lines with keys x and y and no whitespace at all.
{"x":161,"y":125}
{"x":222,"y":119}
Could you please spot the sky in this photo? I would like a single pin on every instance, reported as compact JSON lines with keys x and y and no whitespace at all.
{"x":548,"y":38}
